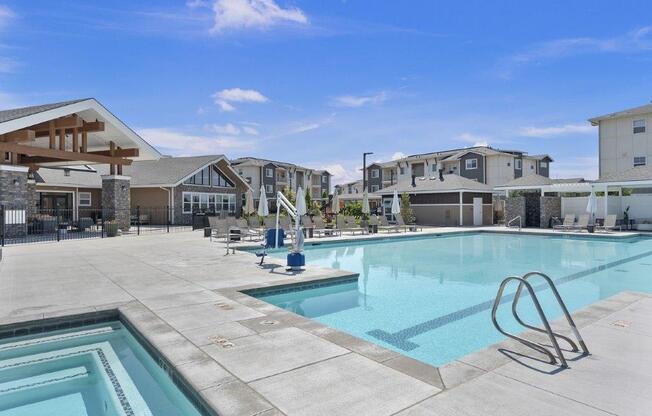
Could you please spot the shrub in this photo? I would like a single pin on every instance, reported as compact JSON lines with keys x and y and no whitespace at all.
{"x":406,"y":209}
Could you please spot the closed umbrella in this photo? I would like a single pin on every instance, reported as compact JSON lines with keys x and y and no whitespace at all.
{"x":249,"y":202}
{"x":301,"y":202}
{"x":365,"y":203}
{"x":591,"y":206}
{"x":396,"y":205}
{"x":263,"y":209}
{"x":335,"y":203}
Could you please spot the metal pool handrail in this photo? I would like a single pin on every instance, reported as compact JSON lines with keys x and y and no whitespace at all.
{"x":520,"y":222}
{"x":523,"y":282}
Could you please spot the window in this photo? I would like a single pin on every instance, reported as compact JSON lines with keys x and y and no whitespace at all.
{"x":543,"y":165}
{"x":7,"y":157}
{"x":638,"y":126}
{"x":518,"y":164}
{"x":248,"y":180}
{"x":531,"y":167}
{"x":84,"y":199}
{"x":374,"y":188}
{"x":375,"y":173}
{"x":269,"y":189}
{"x":200,"y":178}
{"x":471,"y":164}
{"x":269,"y":172}
{"x":433,"y":168}
{"x":324,"y":178}
{"x":402,"y":170}
{"x":640,"y":161}
{"x":219,"y":180}
{"x":349,"y":189}
{"x":207,"y":202}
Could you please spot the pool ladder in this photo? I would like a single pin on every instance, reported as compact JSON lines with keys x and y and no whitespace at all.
{"x":523,"y":282}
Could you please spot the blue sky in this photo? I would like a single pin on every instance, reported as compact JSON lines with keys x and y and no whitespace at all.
{"x":319,"y":82}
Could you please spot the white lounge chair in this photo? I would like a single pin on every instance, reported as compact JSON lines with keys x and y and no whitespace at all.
{"x":406,"y":227}
{"x":582,"y":223}
{"x":386,"y":226}
{"x":321,"y":230}
{"x":609,"y":224}
{"x":569,"y":222}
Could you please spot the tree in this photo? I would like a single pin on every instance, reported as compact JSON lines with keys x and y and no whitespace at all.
{"x":353,"y":209}
{"x":308,"y":199}
{"x":290,"y":195}
{"x":406,"y":210}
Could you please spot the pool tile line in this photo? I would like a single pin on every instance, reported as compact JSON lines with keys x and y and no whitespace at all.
{"x":400,"y":339}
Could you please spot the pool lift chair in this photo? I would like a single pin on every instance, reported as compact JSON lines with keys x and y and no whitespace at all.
{"x":274,"y":237}
{"x":523,"y":282}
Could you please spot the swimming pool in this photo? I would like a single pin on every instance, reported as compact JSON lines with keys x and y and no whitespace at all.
{"x":430,"y":297}
{"x":93,"y":370}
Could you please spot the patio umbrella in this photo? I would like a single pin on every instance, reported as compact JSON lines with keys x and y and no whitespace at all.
{"x":301,"y":202}
{"x":591,"y":206}
{"x":396,"y":205}
{"x":263,"y":210}
{"x":335,"y":204}
{"x":365,"y":203}
{"x":249,"y":202}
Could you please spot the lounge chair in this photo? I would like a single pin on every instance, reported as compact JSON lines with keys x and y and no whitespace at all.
{"x":270,"y":222}
{"x":219,"y":228}
{"x":246,"y":231}
{"x":320,"y":229}
{"x":569,"y":222}
{"x":308,"y":226}
{"x":348,"y":224}
{"x":406,"y":227}
{"x":254,"y":224}
{"x":286,"y":225}
{"x":609,"y":224}
{"x":387,"y":227}
{"x":582,"y":223}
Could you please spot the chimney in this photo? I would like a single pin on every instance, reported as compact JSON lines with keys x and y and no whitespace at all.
{"x":441,"y":175}
{"x":414,"y":184}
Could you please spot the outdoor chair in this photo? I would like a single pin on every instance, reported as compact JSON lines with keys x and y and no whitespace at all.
{"x":254,"y":223}
{"x":220,"y":228}
{"x":246,"y":231}
{"x":308,"y":225}
{"x":348,"y":224}
{"x":385,"y":226}
{"x":610,"y":223}
{"x":582,"y":223}
{"x":321,"y":230}
{"x":406,"y":227}
{"x":568,"y":224}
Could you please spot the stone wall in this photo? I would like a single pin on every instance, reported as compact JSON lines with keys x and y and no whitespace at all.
{"x":514,"y":206}
{"x":116,"y":203}
{"x":15,"y":197}
{"x":550,"y":207}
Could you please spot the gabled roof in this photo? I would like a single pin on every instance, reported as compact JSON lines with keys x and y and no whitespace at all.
{"x":15,"y":113}
{"x":451,"y":183}
{"x":536,"y":181}
{"x":255,"y":161}
{"x":643,"y":109}
{"x":167,"y":171}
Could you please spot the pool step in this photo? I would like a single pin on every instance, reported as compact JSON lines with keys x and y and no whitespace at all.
{"x":55,"y":338}
{"x":43,"y":380}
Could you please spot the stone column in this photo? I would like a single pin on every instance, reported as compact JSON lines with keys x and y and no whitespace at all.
{"x":550,"y":207}
{"x":515,"y":206}
{"x":14,"y":196}
{"x":116,"y":200}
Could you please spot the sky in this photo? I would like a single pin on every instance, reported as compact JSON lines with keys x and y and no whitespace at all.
{"x":318,"y":83}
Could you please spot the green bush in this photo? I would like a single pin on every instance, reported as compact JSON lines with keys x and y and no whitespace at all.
{"x":354,"y":209}
{"x":406,"y":210}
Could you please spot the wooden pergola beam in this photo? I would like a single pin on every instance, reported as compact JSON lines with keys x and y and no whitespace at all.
{"x":18,"y":136}
{"x":118,"y":153}
{"x":62,"y":155}
{"x":91,"y":127}
{"x":67,"y":122}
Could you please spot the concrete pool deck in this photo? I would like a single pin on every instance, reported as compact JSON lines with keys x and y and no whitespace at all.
{"x":246,"y":357}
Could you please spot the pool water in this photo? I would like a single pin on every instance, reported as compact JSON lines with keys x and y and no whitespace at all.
{"x":92,"y":370}
{"x":430,"y":297}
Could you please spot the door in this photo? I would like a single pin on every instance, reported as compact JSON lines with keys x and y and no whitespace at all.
{"x":477,"y":211}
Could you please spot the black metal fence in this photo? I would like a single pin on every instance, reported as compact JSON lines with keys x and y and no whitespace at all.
{"x":24,"y":225}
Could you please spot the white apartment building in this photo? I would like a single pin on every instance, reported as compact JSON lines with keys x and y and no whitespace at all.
{"x":625,"y":139}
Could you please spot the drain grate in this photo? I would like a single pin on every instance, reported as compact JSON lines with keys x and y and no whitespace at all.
{"x":222,"y":342}
{"x":269,"y":322}
{"x":622,"y":324}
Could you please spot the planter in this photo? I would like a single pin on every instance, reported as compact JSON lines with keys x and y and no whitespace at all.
{"x":111,"y":229}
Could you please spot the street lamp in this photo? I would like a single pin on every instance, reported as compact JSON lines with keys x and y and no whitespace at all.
{"x":364,"y":170}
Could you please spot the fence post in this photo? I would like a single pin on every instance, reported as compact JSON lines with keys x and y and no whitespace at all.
{"x":56,"y":215}
{"x":2,"y":225}
{"x":137,"y":219}
{"x":102,"y":231}
{"x":167,"y":218}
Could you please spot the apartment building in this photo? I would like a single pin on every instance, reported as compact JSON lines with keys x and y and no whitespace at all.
{"x":352,"y":192}
{"x":625,"y":139}
{"x":275,"y":176}
{"x":483,"y":164}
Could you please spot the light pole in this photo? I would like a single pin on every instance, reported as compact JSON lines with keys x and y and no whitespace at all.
{"x":364,"y":170}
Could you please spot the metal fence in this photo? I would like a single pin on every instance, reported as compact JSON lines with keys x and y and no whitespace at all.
{"x":24,"y":225}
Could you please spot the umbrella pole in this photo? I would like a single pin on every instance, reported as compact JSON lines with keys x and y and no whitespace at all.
{"x":277,"y":221}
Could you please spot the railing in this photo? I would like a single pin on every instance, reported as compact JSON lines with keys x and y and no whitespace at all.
{"x":552,"y":336}
{"x":520,"y":222}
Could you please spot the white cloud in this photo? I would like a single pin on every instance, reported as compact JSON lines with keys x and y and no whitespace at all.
{"x":181,"y":144}
{"x":342,"y":174}
{"x":250,"y":130}
{"x":639,"y":40}
{"x":228,"y":129}
{"x":354,"y":101}
{"x":251,"y":14}
{"x":551,"y":131}
{"x":6,"y":15}
{"x":226,"y":97}
{"x":398,"y":155}
{"x":475,"y":139}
